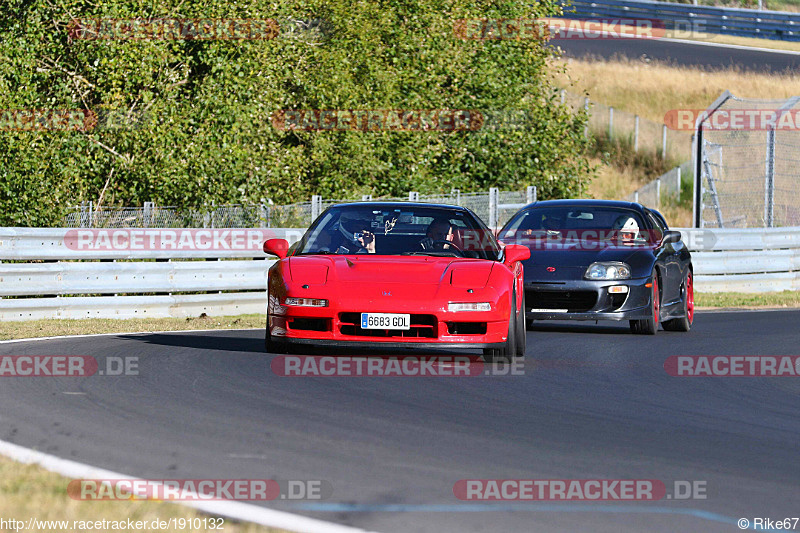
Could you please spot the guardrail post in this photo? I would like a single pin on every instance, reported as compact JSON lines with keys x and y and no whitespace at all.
{"x":413,"y":196}
{"x":636,"y":196}
{"x":366,"y":197}
{"x":457,"y":194}
{"x":563,"y":96}
{"x":494,"y":199}
{"x":610,"y":122}
{"x":530,"y":194}
{"x":679,"y":184}
{"x":664,"y":141}
{"x":636,"y":133}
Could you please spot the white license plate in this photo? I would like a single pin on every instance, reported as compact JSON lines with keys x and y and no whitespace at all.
{"x":385,"y":321}
{"x":548,"y":310}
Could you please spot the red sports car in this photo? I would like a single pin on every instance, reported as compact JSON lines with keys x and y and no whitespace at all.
{"x":394,"y":274}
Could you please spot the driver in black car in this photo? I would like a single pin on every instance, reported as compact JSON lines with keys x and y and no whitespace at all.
{"x":438,"y":234}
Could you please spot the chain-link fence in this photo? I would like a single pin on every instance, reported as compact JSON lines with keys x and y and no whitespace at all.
{"x":666,"y":186}
{"x":495,"y":207}
{"x":643,"y":135}
{"x":748,"y":152}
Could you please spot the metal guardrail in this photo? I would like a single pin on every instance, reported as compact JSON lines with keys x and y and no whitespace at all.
{"x":780,"y":25}
{"x":41,"y":277}
{"x":745,"y":260}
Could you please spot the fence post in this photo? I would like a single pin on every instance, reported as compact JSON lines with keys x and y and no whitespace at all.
{"x":457,"y":194}
{"x":148,"y":215}
{"x":636,"y":196}
{"x":658,"y":193}
{"x":530,"y":194}
{"x":664,"y":141}
{"x":769,"y":179}
{"x":494,"y":197}
{"x":610,"y":122}
{"x":316,"y":206}
{"x":679,"y":184}
{"x":262,"y":215}
{"x":563,"y":95}
{"x":636,"y":133}
{"x":91,"y":214}
{"x":586,"y":108}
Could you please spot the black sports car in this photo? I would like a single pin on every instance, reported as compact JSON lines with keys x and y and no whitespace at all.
{"x":603,"y":260}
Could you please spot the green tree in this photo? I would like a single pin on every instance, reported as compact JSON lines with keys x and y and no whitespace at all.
{"x":189,"y":122}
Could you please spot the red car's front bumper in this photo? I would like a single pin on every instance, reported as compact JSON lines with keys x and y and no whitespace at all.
{"x":431,"y":327}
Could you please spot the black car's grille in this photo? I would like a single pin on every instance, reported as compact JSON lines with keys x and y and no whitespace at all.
{"x":572,"y":301}
{"x":423,"y":326}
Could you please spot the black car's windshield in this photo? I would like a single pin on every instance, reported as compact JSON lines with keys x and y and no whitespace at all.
{"x":563,"y":223}
{"x":391,"y":229}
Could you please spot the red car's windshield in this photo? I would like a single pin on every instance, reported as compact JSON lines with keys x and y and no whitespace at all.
{"x":399,"y":230}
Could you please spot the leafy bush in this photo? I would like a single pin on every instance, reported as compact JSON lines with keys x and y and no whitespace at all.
{"x":197,"y":114}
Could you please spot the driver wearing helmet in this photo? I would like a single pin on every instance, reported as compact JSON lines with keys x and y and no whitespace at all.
{"x":355,"y":237}
{"x":438,"y":234}
{"x":627,"y":227}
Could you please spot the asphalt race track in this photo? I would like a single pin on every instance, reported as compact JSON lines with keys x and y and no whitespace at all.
{"x":595,"y":403}
{"x":681,"y":53}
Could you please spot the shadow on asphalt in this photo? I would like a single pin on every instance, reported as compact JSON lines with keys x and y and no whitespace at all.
{"x":254,"y":343}
{"x":573,"y":327}
{"x":206,"y":341}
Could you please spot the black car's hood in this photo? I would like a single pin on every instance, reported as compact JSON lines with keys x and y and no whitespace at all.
{"x":569,"y":262}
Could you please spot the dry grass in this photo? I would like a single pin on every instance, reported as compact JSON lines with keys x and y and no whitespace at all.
{"x":650,"y":89}
{"x":58,"y":327}
{"x":29,"y":491}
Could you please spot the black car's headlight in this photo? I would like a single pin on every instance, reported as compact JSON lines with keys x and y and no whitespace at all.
{"x":608,"y":271}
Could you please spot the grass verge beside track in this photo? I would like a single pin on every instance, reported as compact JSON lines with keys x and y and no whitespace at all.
{"x":30,"y":491}
{"x":743,"y":300}
{"x":58,"y":327}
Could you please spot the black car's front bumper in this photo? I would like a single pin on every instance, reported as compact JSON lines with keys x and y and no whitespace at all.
{"x":588,"y":300}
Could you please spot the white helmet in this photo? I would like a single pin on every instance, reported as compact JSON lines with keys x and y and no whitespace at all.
{"x":627,"y":225}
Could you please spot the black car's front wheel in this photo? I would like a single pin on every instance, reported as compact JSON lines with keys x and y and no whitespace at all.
{"x":684,"y":323}
{"x":649,"y":326}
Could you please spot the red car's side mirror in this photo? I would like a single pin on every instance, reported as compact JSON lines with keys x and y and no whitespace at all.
{"x":516,"y":252}
{"x":276,"y":247}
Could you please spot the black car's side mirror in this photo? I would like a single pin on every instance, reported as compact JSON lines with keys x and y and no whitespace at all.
{"x":672,"y":236}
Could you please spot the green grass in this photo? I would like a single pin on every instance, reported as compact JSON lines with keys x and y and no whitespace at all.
{"x":58,"y":327}
{"x":747,"y":300}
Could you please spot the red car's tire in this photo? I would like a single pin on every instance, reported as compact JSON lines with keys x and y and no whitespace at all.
{"x":509,"y":351}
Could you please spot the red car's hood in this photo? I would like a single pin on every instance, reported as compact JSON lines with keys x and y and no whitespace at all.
{"x":365,"y":268}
